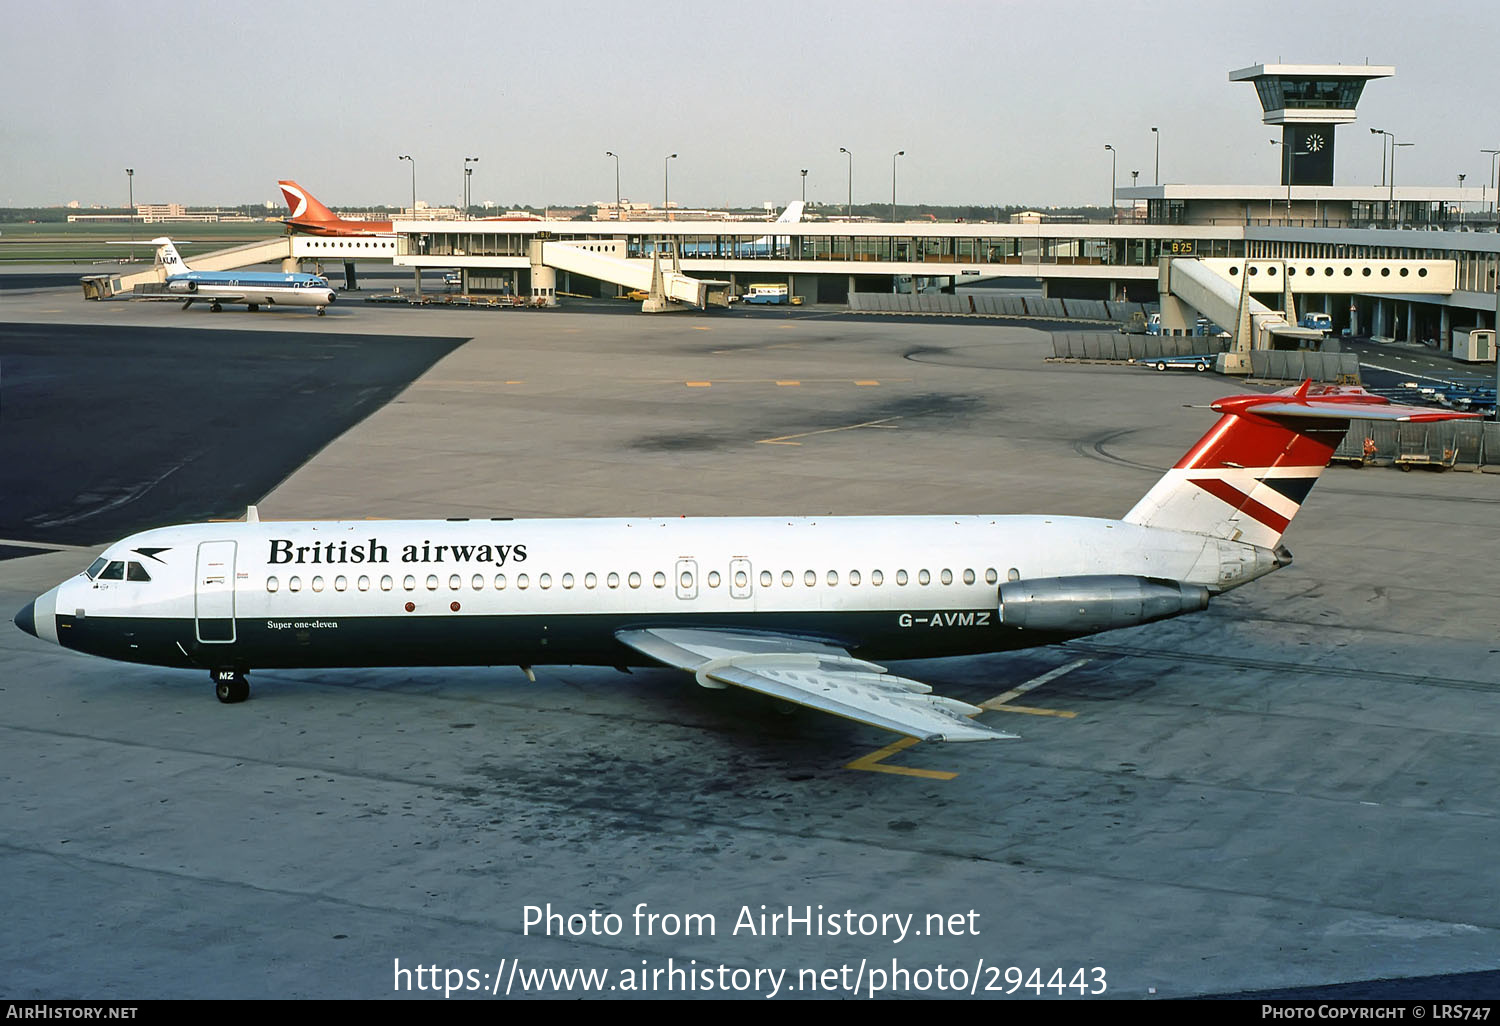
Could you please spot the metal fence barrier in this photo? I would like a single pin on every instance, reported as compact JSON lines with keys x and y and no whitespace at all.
{"x":1301,"y":364}
{"x":1111,"y":345}
{"x":1448,"y":443}
{"x":993,"y":306}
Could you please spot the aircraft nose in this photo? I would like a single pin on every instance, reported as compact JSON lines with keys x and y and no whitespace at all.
{"x":26,"y":618}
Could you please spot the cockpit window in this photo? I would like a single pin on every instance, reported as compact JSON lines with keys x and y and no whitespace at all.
{"x":94,"y":568}
{"x":114,"y":572}
{"x":135,"y":572}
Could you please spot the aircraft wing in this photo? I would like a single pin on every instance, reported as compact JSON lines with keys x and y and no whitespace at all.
{"x":815,"y":674}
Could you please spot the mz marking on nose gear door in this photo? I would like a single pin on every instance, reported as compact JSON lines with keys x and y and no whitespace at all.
{"x":214,"y":592}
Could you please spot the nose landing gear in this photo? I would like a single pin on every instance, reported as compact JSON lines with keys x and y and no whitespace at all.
{"x":230,"y":686}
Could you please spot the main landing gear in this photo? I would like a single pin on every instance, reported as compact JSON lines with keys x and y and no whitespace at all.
{"x":230,"y":686}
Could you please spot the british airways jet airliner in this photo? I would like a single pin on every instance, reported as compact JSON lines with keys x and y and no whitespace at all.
{"x":254,"y":288}
{"x":800,"y":608}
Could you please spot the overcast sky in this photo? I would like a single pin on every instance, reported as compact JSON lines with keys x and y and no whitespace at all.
{"x":994,"y":102}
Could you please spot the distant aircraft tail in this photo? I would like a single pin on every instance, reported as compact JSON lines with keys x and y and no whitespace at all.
{"x":302,"y":204}
{"x":167,"y":256}
{"x":1246,"y":479}
{"x":792,"y":214}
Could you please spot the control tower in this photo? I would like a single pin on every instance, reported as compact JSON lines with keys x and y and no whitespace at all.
{"x":1308,"y":101}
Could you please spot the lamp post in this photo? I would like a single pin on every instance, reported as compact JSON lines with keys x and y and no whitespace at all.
{"x":1380,"y":131}
{"x":407,"y":156}
{"x":1461,"y":178}
{"x":1392,"y":199}
{"x":1133,"y":176}
{"x":468,"y":171}
{"x":130,"y":183}
{"x":1112,"y":156}
{"x":1156,"y":180}
{"x":1492,"y":183}
{"x":619,"y":214}
{"x":1287,"y":155}
{"x":416,"y":270}
{"x":849,"y":207}
{"x":804,"y":186}
{"x":898,"y":153}
{"x":666,"y":181}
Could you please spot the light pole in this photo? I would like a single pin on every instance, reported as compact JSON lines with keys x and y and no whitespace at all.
{"x":407,"y":156}
{"x":898,"y":153}
{"x":1392,"y":200}
{"x":619,"y":214}
{"x":804,"y":187}
{"x":468,"y":171}
{"x":1380,"y":131}
{"x":666,"y":182}
{"x":1112,"y":156}
{"x":849,"y":207}
{"x":1133,"y":176}
{"x":130,"y":182}
{"x":1461,"y":178}
{"x":1492,"y":183}
{"x":1287,"y":154}
{"x":1156,"y":180}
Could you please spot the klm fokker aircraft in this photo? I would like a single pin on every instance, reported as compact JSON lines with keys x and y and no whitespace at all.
{"x":254,"y":288}
{"x":798,"y":608}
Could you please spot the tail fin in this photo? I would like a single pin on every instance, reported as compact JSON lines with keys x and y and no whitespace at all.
{"x":1250,"y":474}
{"x":302,"y":204}
{"x":167,"y":258}
{"x":792,"y":214}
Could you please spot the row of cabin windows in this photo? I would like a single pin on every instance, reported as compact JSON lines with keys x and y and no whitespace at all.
{"x":658,"y":580}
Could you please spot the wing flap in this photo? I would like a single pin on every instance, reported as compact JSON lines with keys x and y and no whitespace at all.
{"x":816,"y":674}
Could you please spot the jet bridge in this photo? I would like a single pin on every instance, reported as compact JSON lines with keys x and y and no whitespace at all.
{"x":279,"y":250}
{"x":666,"y":287}
{"x":1219,"y":289}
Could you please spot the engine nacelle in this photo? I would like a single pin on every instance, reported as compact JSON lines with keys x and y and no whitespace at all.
{"x":1087,"y":605}
{"x":182,"y":286}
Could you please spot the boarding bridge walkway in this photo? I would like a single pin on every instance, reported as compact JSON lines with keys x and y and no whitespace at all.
{"x":279,"y":251}
{"x":1219,"y":289}
{"x":603,"y":259}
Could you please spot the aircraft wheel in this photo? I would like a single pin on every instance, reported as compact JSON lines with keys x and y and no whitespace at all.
{"x":254,"y":307}
{"x":230,"y":687}
{"x":1161,"y":366}
{"x":321,"y":311}
{"x":216,"y":308}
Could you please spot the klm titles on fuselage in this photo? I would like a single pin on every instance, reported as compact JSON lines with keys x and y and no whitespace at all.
{"x":284,"y":550}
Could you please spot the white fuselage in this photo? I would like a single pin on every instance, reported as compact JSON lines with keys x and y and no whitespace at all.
{"x":352,"y":593}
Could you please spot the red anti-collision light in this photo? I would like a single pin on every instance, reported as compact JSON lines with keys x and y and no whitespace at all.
{"x":410,"y":606}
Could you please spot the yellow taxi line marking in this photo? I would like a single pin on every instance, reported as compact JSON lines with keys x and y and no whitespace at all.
{"x":1033,"y":684}
{"x":866,"y":384}
{"x":787,"y":439}
{"x":698,"y":384}
{"x":1031,"y":710}
{"x":783,"y":384}
{"x":875,"y":761}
